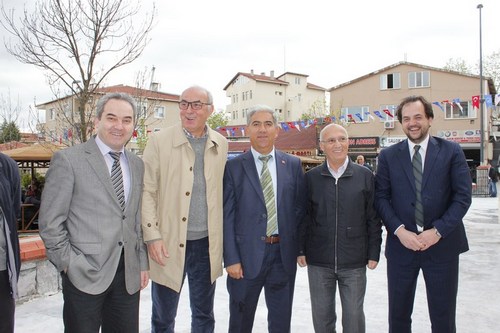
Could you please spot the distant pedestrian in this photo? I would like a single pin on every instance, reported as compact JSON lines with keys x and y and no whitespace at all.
{"x":492,"y":180}
{"x":361,"y":161}
{"x":10,"y":262}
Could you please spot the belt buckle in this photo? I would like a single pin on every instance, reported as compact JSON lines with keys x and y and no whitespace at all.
{"x":273,"y":239}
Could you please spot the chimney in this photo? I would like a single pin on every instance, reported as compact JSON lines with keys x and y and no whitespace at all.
{"x":251,"y":71}
{"x":271,"y":74}
{"x":155,"y":86}
{"x":263,"y":73}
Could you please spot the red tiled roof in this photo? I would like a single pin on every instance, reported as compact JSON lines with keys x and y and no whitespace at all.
{"x":293,"y":139}
{"x":135,"y":91}
{"x":12,"y":145}
{"x":262,"y":78}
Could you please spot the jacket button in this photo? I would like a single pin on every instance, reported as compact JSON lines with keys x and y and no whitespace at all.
{"x":124,"y":217}
{"x":184,"y":219}
{"x":149,"y":224}
{"x":191,"y":169}
{"x":188,"y":193}
{"x":181,"y":245}
{"x":120,"y":243}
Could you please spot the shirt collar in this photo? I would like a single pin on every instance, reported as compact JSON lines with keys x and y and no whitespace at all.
{"x":423,"y":145}
{"x":191,"y":136}
{"x":256,"y":154}
{"x":105,"y":149}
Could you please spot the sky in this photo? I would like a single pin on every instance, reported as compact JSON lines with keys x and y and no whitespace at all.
{"x":197,"y":42}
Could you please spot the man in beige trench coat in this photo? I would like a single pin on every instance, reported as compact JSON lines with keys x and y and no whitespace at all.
{"x":182,"y":212}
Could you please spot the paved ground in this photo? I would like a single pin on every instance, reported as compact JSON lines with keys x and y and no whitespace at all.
{"x":478,"y":297}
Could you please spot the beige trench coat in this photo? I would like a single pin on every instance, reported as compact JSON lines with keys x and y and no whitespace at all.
{"x":168,"y":181}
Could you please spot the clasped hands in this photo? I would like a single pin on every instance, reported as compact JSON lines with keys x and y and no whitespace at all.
{"x":417,"y":242}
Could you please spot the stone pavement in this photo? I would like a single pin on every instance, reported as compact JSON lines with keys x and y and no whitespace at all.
{"x":478,"y":304}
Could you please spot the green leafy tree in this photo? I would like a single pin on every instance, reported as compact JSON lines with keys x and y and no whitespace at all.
{"x":217,"y":119}
{"x":9,"y":132}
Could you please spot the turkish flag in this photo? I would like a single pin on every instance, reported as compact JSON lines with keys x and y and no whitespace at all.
{"x":387,"y":112}
{"x":475,"y":102}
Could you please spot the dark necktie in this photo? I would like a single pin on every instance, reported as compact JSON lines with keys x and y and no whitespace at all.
{"x":266,"y":182}
{"x":117,"y":178}
{"x":417,"y":172}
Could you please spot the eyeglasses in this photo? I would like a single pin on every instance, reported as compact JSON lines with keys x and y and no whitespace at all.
{"x":197,"y":105}
{"x":332,"y":141}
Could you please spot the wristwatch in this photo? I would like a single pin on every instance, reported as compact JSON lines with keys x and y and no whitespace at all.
{"x":437,"y":233}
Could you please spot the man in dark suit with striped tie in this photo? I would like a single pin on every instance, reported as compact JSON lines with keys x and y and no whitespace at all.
{"x":264,"y":202}
{"x":422,"y":192}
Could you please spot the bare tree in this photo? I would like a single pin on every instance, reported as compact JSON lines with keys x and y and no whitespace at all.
{"x":78,"y":43}
{"x":9,"y":111}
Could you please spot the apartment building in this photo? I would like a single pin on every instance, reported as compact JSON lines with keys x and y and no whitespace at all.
{"x":156,"y":110}
{"x":367,"y":105}
{"x":289,"y":94}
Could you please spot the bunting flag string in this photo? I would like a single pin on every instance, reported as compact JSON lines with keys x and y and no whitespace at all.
{"x":366,"y":116}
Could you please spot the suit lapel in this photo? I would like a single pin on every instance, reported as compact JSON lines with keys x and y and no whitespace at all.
{"x":98,"y":164}
{"x":252,"y":175}
{"x":430,"y":159}
{"x":281,"y":174}
{"x":405,"y":161}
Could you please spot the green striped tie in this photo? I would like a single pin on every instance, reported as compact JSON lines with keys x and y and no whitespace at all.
{"x":266,"y":182}
{"x":417,"y":173}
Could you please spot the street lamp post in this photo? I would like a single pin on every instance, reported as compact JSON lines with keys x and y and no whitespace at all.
{"x":481,"y":100}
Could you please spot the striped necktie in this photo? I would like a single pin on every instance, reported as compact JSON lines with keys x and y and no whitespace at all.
{"x":266,"y":182}
{"x":117,"y":178}
{"x":417,"y":173}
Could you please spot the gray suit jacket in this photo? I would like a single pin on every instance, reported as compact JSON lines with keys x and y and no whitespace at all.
{"x":82,"y":224}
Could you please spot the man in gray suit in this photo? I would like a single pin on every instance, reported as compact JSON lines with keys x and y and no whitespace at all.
{"x":91,"y":225}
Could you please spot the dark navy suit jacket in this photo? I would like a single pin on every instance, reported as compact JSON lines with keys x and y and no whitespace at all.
{"x":245,"y":215}
{"x":446,"y":196}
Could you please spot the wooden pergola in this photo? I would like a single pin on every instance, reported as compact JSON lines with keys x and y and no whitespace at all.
{"x":35,"y":156}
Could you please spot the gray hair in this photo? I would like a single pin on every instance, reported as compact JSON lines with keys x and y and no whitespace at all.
{"x":116,"y":95}
{"x":261,"y":108}
{"x":322,"y":133}
{"x":210,"y":99}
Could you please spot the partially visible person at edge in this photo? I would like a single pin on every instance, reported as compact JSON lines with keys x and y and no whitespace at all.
{"x":10,"y":262}
{"x":426,"y":234}
{"x":360,"y":159}
{"x":182,"y":213}
{"x":90,"y":224}
{"x":261,"y":236}
{"x":492,"y":181}
{"x":341,"y":235}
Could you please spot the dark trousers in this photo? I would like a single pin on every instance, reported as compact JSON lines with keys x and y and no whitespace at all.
{"x":278,"y":288}
{"x":201,"y":293}
{"x":7,"y":304}
{"x":441,"y":284}
{"x":114,"y":310}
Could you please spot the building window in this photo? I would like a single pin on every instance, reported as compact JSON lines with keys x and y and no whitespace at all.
{"x":250,"y":94}
{"x":299,"y":97}
{"x":390,"y":81}
{"x":419,"y":79}
{"x":52,"y":114}
{"x":297,"y":80}
{"x":358,"y":114}
{"x":160,"y":112}
{"x":461,"y":110}
{"x":391,"y":108}
{"x":278,"y":93}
